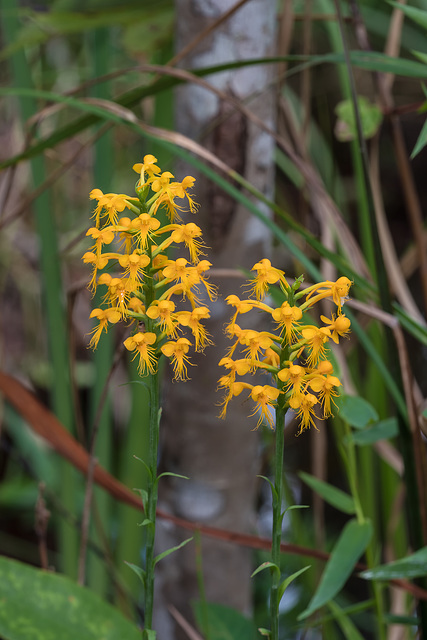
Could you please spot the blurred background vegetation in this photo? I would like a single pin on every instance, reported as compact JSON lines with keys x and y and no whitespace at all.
{"x":88,"y":88}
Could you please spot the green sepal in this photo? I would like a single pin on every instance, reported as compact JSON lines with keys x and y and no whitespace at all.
{"x":171,"y":550}
{"x":142,"y":575}
{"x":285,"y":584}
{"x":266,"y":565}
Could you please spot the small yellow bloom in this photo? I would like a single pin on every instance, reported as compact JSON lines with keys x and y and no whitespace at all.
{"x":304,"y":406}
{"x":266,"y":275}
{"x":264,"y":396}
{"x":142,"y":343}
{"x":104,"y":316}
{"x":339,"y":326}
{"x":287,"y":318}
{"x":163,"y":310}
{"x":192,"y":319}
{"x":114,"y":203}
{"x":325,"y":386}
{"x":315,"y":338}
{"x":147,"y":167}
{"x":177,"y":352}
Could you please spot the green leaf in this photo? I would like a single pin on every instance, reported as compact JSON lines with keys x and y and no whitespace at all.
{"x":347,"y":627}
{"x":224,"y":623}
{"x":394,"y":619}
{"x":264,"y":632}
{"x":370,"y":118}
{"x":144,"y":497}
{"x":138,"y":570}
{"x":38,"y":605}
{"x":351,"y":544}
{"x":417,"y":15}
{"x":171,"y":550}
{"x":356,"y":411}
{"x":383,"y":430}
{"x":149,"y":634}
{"x":333,"y":496}
{"x":266,"y":565}
{"x":421,"y":141}
{"x":273,"y":489}
{"x":413,"y":566}
{"x":285,"y":584}
{"x":146,"y":523}
{"x":174,"y":475}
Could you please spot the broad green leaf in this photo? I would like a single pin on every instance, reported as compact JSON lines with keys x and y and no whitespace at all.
{"x":266,"y":565}
{"x":39,"y":605}
{"x":382,"y":430}
{"x":370,"y":117}
{"x":413,"y":566}
{"x":347,"y":627}
{"x":351,"y":544}
{"x":285,"y":584}
{"x":356,"y":411}
{"x":171,"y":550}
{"x":333,"y":496}
{"x":224,"y":623}
{"x":138,"y":570}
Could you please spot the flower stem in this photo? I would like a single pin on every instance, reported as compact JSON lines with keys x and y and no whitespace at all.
{"x":153,"y":381}
{"x":277,"y":518}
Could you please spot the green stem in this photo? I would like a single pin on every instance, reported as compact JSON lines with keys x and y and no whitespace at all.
{"x":277,"y":519}
{"x":152,"y":499}
{"x":352,"y":475}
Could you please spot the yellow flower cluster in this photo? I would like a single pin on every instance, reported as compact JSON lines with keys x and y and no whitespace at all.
{"x":141,"y":283}
{"x":293,"y":356}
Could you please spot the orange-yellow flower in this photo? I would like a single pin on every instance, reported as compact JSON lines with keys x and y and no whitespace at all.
{"x":104,"y":316}
{"x":163,"y":311}
{"x":326,"y":387}
{"x":287,"y":318}
{"x":304,"y":406}
{"x":264,"y":396}
{"x":315,"y":338}
{"x":266,"y":275}
{"x":339,"y":326}
{"x":142,"y":343}
{"x":177,"y":352}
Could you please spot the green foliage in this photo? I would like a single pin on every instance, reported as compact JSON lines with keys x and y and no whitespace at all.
{"x":352,"y":542}
{"x":412,"y":566}
{"x":225,"y":623}
{"x":38,"y":605}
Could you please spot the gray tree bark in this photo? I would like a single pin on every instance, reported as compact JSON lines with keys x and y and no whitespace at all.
{"x":220,"y":456}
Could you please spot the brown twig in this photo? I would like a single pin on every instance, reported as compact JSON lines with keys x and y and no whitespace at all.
{"x":42,"y":515}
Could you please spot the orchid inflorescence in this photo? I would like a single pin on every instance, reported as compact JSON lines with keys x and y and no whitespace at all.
{"x":294,"y":356}
{"x":142,"y":283}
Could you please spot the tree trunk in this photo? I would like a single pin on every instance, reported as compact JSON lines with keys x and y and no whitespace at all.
{"x":220,"y":456}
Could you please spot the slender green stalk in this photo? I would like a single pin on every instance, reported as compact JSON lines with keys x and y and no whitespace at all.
{"x":277,"y":518}
{"x":152,"y":500}
{"x":102,"y":358}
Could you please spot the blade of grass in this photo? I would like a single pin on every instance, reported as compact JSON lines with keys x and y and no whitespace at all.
{"x":53,"y":293}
